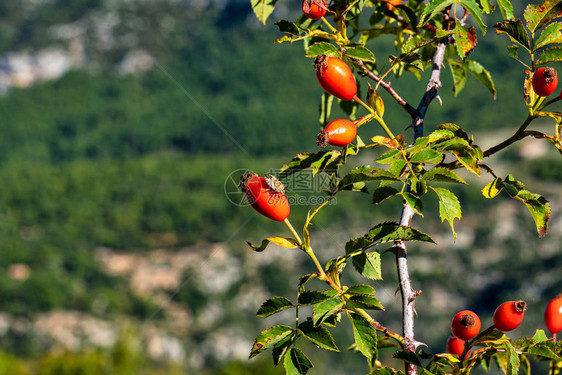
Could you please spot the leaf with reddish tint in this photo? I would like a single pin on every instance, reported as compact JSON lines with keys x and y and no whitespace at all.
{"x":538,"y":15}
{"x":550,"y":55}
{"x":270,"y":337}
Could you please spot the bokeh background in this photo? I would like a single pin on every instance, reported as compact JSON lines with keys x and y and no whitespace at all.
{"x":123,"y":125}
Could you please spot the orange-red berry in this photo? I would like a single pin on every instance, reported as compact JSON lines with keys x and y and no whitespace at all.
{"x":545,"y":81}
{"x":509,"y":315}
{"x":465,"y":325}
{"x":335,"y":77}
{"x":337,"y":133}
{"x":264,"y":198}
{"x":455,"y":345}
{"x":312,"y":10}
{"x":553,"y":315}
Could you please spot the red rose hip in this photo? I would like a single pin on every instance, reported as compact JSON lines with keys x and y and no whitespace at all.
{"x":337,"y":133}
{"x":335,"y":77}
{"x":465,"y":325}
{"x":553,"y":315}
{"x":545,"y":81}
{"x":509,"y":315}
{"x":455,"y":345}
{"x":312,"y":10}
{"x":266,"y":196}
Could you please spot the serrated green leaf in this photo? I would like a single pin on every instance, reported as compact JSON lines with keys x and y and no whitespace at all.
{"x":493,"y":188}
{"x":440,"y":135}
{"x":296,"y":363}
{"x":454,"y":128}
{"x":281,"y":348}
{"x":449,"y":207}
{"x":269,"y":337}
{"x":368,"y":265}
{"x":288,"y":243}
{"x":318,"y":335}
{"x":514,"y":29}
{"x":361,"y":289}
{"x":538,"y":15}
{"x":364,"y":302}
{"x":426,"y":156}
{"x":542,"y":350}
{"x":475,"y":12}
{"x":458,"y":71}
{"x":322,"y":48}
{"x":481,"y":74}
{"x":360,"y":53}
{"x":287,"y":27}
{"x":512,"y":359}
{"x":414,"y":202}
{"x":263,"y":9}
{"x":455,"y":144}
{"x":272,"y":306}
{"x":469,"y":160}
{"x":318,"y":162}
{"x":506,"y":9}
{"x":418,"y":186}
{"x":539,"y":208}
{"x":539,"y":336}
{"x":389,"y":157}
{"x":549,"y":55}
{"x":383,"y":193}
{"x":325,"y":309}
{"x":311,"y":297}
{"x":391,"y":232}
{"x":550,"y":35}
{"x":440,"y":174}
{"x":365,"y":173}
{"x":432,"y":9}
{"x":365,"y":336}
{"x":465,"y":40}
{"x":306,"y":278}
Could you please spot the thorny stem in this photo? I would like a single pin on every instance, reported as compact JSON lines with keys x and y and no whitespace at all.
{"x":408,"y":294}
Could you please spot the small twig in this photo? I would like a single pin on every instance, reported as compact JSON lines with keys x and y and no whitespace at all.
{"x":387,"y":86}
{"x":519,"y":134}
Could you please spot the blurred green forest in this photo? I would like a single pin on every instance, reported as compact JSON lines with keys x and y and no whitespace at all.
{"x":99,"y":159}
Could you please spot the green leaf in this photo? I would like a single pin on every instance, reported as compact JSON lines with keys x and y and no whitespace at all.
{"x":383,"y":193}
{"x":364,"y":302}
{"x":506,"y":9}
{"x":280,"y":349}
{"x":481,"y":74}
{"x":432,"y":9}
{"x":539,"y":208}
{"x":365,"y":173}
{"x":318,"y":162}
{"x":368,"y":265}
{"x":391,"y":232}
{"x":458,"y":70}
{"x":454,"y":128}
{"x":263,"y":8}
{"x":287,"y":27}
{"x":493,"y":188}
{"x":360,"y":53}
{"x":540,"y":14}
{"x":408,"y":356}
{"x":311,"y":297}
{"x":475,"y":12}
{"x":469,"y":160}
{"x":324,"y":310}
{"x":273,"y":305}
{"x":414,"y":202}
{"x":550,"y":35}
{"x":427,"y":156}
{"x":318,"y":335}
{"x":440,"y":174}
{"x":269,"y":337}
{"x":389,"y":157}
{"x":296,"y":363}
{"x":543,"y":351}
{"x":514,"y":29}
{"x":539,"y":336}
{"x":361,"y":289}
{"x":449,"y":207}
{"x":440,"y":135}
{"x":288,"y":243}
{"x":550,"y":55}
{"x":512,"y":359}
{"x":365,"y":336}
{"x":322,"y":48}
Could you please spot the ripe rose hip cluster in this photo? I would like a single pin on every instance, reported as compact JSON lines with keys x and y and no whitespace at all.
{"x":466,"y":325}
{"x":267,"y":194}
